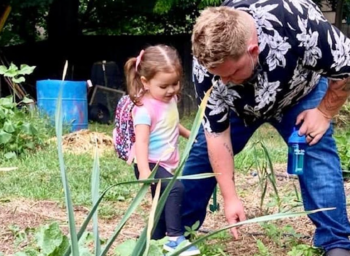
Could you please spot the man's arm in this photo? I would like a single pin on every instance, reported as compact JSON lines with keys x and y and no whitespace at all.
{"x":221,"y":159}
{"x":336,"y":95}
{"x":315,"y":122}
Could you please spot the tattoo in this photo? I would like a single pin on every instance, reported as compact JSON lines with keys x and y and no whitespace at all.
{"x":346,"y":87}
{"x":212,"y":134}
{"x":228,"y":149}
{"x":336,"y":95}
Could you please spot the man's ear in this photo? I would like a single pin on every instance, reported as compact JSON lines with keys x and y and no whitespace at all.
{"x":253,"y":49}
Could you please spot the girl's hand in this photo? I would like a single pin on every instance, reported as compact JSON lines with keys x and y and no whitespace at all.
{"x":184,"y":132}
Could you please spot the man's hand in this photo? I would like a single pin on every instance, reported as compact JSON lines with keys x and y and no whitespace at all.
{"x":234,"y":213}
{"x":314,"y":126}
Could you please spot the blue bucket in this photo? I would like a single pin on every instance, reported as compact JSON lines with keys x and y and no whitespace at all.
{"x":74,"y":101}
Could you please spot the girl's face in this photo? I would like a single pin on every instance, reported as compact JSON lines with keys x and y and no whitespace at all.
{"x":163,"y":86}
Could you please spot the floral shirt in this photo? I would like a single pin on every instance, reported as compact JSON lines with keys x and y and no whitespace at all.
{"x":297,"y":45}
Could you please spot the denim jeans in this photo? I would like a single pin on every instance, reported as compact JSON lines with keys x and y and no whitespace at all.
{"x":321,"y":184}
{"x":170,"y":220}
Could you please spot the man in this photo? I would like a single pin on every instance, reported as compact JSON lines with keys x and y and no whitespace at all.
{"x":268,"y":61}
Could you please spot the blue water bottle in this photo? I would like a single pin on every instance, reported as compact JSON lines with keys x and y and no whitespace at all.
{"x":296,"y":152}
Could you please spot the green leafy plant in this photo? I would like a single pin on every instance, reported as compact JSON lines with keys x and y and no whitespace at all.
{"x":17,"y":131}
{"x":343,"y":145}
{"x":49,"y":240}
{"x":305,"y":250}
{"x":263,"y":250}
{"x":192,"y":231}
{"x":16,"y":74}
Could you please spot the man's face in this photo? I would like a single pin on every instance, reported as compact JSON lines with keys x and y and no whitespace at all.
{"x":235,"y":71}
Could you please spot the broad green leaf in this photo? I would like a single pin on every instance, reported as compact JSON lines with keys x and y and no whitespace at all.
{"x":4,"y":137}
{"x":3,"y":69}
{"x":26,"y":100}
{"x":12,"y":71}
{"x":50,"y":239}
{"x":10,"y":155}
{"x":9,"y":126}
{"x":7,"y":102}
{"x":2,"y":113}
{"x":29,"y":128}
{"x":26,"y":70}
{"x":30,"y":145}
{"x":19,"y":79}
{"x":125,"y":248}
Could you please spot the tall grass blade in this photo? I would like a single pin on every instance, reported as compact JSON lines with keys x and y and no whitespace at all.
{"x":271,"y":176}
{"x":261,"y":172}
{"x":151,"y":216}
{"x":95,"y":187}
{"x":255,"y":220}
{"x":68,"y":199}
{"x":195,"y":127}
{"x":132,"y":207}
{"x":141,"y":243}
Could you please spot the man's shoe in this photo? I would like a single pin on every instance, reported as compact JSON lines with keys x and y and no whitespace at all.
{"x":338,"y":252}
{"x":172,"y":245}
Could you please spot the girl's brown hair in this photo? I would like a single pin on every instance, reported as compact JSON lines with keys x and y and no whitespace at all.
{"x":158,"y":58}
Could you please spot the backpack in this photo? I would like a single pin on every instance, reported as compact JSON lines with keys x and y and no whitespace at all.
{"x":123,"y":133}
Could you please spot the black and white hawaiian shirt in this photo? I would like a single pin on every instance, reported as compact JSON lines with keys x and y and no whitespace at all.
{"x":297,"y":45}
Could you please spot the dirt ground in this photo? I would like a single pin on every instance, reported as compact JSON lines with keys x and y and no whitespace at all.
{"x":25,"y":213}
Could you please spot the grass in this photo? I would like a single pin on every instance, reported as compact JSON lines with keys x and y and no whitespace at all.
{"x":38,"y":177}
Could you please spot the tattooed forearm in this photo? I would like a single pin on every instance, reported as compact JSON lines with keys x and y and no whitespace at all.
{"x":337,"y":93}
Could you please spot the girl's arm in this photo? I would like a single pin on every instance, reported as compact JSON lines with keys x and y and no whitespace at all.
{"x":184,"y":132}
{"x":142,"y":132}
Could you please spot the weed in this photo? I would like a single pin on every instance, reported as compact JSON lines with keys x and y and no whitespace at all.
{"x":263,"y":250}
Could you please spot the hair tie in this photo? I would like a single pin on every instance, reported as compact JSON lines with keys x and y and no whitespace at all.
{"x":138,"y":59}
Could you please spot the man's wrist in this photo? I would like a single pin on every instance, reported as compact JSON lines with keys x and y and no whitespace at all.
{"x":325,"y":114}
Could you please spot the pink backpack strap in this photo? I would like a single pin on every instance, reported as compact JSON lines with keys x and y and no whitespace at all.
{"x":131,"y":155}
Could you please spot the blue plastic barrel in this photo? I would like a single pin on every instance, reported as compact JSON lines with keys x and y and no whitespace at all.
{"x":74,"y":101}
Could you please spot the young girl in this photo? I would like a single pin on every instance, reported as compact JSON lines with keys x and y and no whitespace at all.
{"x":153,"y":83}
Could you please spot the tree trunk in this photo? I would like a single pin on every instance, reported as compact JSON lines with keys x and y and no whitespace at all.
{"x":339,"y":14}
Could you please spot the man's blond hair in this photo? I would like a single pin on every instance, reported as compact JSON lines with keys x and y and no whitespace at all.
{"x":219,"y":33}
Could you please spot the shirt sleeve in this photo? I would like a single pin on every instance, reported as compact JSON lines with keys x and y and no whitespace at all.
{"x":141,"y":116}
{"x":216,"y":112}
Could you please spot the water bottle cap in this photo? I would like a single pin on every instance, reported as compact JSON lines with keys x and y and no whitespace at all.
{"x":295,"y":138}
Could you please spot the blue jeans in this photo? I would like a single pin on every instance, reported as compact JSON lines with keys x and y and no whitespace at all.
{"x":321,"y":184}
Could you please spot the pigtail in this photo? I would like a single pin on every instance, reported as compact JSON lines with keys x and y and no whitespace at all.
{"x":133,"y":80}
